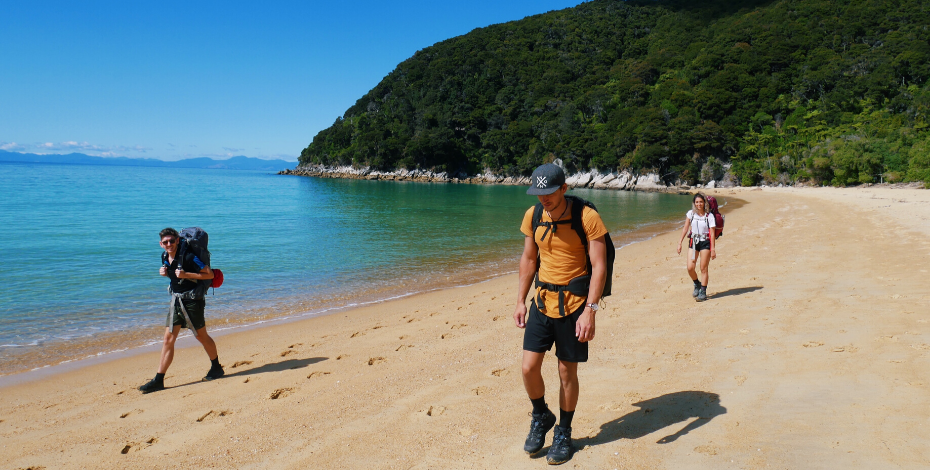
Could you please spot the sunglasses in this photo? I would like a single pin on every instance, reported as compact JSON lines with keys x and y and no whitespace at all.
{"x":169,"y":242}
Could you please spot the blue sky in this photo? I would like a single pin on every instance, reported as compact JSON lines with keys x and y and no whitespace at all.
{"x":174,"y":80}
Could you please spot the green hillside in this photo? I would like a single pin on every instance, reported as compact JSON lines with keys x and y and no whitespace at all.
{"x":795,"y":90}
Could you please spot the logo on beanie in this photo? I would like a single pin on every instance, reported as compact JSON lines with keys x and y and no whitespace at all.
{"x":541,"y":182}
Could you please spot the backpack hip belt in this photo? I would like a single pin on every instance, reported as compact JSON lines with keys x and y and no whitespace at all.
{"x":578,"y":286}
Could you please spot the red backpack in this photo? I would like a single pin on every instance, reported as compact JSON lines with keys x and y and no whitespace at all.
{"x":718,"y":217}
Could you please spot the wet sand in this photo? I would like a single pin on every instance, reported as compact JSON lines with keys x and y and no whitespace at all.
{"x":812,"y":352}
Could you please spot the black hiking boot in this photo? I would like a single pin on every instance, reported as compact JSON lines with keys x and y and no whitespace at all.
{"x":214,"y":373}
{"x":697,"y":291}
{"x":153,"y":385}
{"x":561,"y":450}
{"x":539,"y":426}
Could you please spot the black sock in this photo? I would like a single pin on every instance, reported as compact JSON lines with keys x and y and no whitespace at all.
{"x":565,"y":418}
{"x":215,"y":361}
{"x":696,"y":283}
{"x":539,"y":405}
{"x":160,"y":377}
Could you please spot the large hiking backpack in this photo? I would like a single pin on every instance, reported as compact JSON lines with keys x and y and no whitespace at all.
{"x":718,"y":217}
{"x":579,"y":288}
{"x":195,"y":240}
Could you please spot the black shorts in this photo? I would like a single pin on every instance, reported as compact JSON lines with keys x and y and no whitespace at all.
{"x":701,"y":245}
{"x":194,"y":309}
{"x":542,"y":331}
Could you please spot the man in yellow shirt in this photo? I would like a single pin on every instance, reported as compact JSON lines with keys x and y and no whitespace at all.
{"x":569,"y":280}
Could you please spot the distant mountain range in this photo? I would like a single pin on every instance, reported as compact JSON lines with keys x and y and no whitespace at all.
{"x":234,"y":163}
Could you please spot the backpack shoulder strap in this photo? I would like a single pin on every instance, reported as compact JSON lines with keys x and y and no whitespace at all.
{"x":537,"y":217}
{"x":578,"y":205}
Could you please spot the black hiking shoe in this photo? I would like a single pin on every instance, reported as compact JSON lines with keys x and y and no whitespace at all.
{"x":697,"y":291}
{"x":561,"y":450}
{"x":702,"y":296}
{"x":539,"y":426}
{"x":153,"y":385}
{"x":214,"y":373}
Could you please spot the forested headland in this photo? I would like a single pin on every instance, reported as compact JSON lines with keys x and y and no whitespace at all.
{"x":813,"y":91}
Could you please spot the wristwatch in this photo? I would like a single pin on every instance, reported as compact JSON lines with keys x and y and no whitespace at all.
{"x":592,"y":306}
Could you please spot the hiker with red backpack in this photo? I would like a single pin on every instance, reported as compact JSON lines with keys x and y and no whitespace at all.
{"x":186,"y":263}
{"x":702,"y":229}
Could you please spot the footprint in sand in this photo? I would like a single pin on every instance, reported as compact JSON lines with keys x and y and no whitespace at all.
{"x":280,"y":393}
{"x":921,"y":347}
{"x":241,"y":363}
{"x":213,"y":414}
{"x":137,"y":446}
{"x":287,"y":352}
{"x":133,"y":412}
{"x":376,"y":360}
{"x":812,"y":344}
{"x":435,"y":410}
{"x":500,"y":372}
{"x":317,"y":374}
{"x":706,"y":449}
{"x":740,"y":379}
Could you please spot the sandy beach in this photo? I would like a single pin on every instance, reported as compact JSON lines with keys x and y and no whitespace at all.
{"x":813,"y":351}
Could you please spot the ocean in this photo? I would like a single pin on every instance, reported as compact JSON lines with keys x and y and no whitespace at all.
{"x":80,"y":255}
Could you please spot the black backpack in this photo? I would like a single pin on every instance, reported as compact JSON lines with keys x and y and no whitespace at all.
{"x":578,"y":286}
{"x":193,"y":240}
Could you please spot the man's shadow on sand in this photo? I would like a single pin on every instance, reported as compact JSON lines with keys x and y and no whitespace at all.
{"x":658,"y":413}
{"x":279,"y":366}
{"x":273,"y":367}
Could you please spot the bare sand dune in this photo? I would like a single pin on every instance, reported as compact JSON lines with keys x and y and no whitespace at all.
{"x":812,"y":352}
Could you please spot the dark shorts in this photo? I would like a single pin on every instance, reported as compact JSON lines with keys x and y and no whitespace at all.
{"x":194,"y":310}
{"x":702,"y":245}
{"x":541,"y":332}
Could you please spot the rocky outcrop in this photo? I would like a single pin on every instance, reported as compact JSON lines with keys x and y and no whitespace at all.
{"x":622,"y":181}
{"x":425,"y":176}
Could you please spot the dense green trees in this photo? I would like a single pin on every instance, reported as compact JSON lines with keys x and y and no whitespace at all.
{"x":778,"y":91}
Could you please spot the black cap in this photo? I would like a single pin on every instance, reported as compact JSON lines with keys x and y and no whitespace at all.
{"x":546,"y":179}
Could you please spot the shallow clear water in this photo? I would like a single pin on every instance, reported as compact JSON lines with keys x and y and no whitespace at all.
{"x":80,"y":252}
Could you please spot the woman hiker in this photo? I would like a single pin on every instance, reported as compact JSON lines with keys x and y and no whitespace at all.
{"x":701,"y":246}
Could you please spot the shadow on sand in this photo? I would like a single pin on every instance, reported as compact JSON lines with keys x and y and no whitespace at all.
{"x":737,"y":291}
{"x":658,"y":413}
{"x":279,"y":366}
{"x":275,"y":367}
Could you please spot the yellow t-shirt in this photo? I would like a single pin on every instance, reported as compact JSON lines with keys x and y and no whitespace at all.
{"x":562,"y":257}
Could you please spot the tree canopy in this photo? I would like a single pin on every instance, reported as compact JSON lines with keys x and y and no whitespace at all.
{"x":778,"y":91}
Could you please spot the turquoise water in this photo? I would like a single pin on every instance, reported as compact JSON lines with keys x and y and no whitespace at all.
{"x":80,"y":251}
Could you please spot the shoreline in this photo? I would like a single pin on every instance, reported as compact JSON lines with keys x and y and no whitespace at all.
{"x":272,"y":315}
{"x":798,"y":360}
